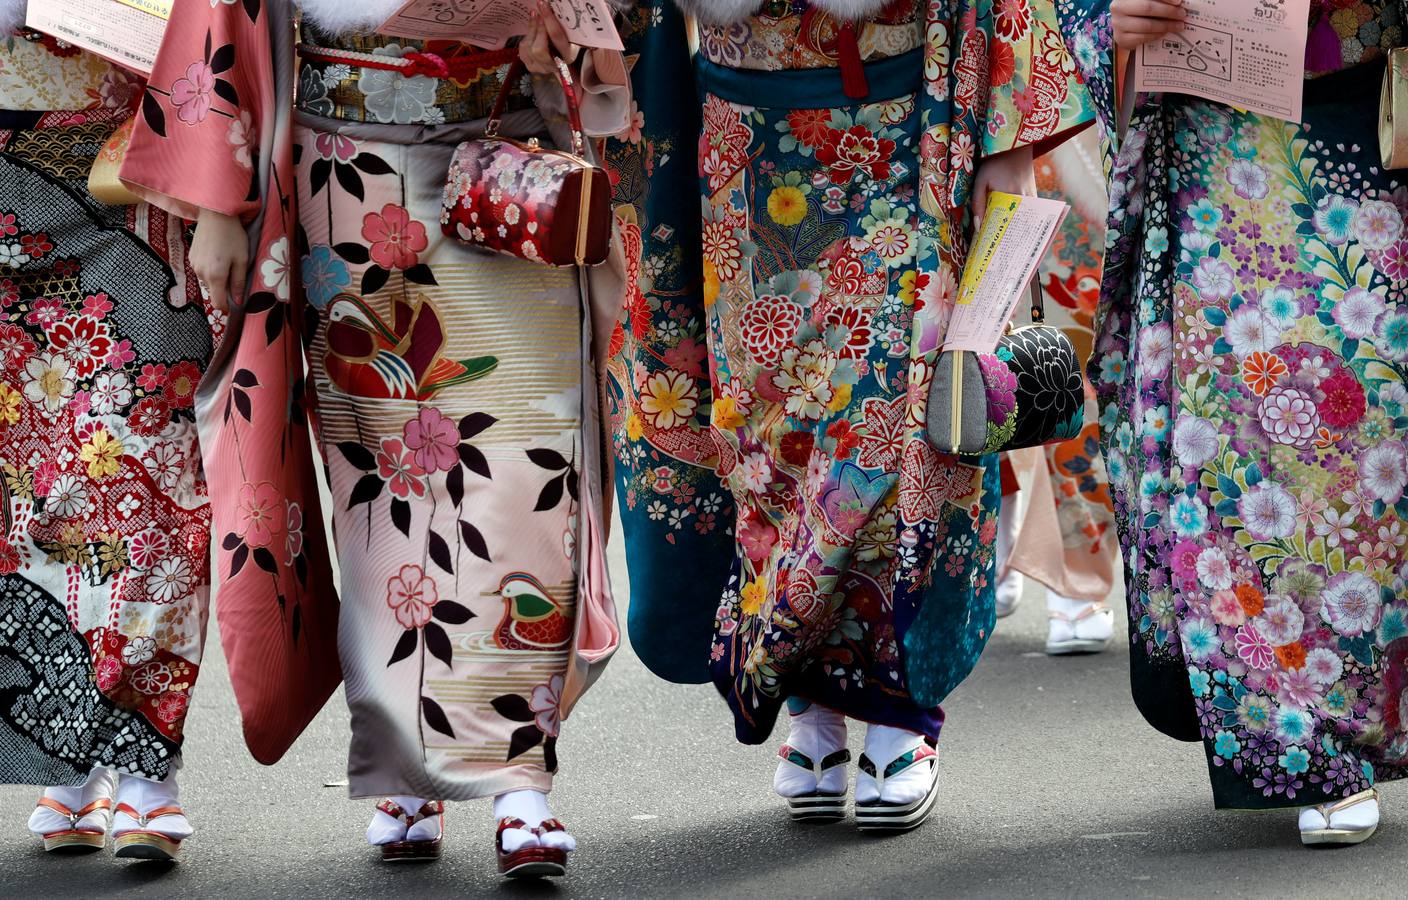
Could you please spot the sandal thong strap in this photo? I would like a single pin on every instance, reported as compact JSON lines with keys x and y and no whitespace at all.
{"x":146,"y":818}
{"x":75,"y":817}
{"x":1329,"y":809}
{"x":1090,"y":611}
{"x":793,"y":756}
{"x":394,"y":810}
{"x":907,"y":760}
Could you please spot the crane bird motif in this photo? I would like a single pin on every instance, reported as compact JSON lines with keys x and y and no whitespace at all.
{"x":403,"y":360}
{"x":532,"y":619}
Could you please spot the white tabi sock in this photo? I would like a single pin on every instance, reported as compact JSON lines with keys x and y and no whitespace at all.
{"x":1361,"y":816}
{"x":532,"y":808}
{"x":101,"y":783}
{"x":817,"y":732}
{"x":1009,"y":523}
{"x":385,"y":829}
{"x":146,"y":796}
{"x":883,"y":745}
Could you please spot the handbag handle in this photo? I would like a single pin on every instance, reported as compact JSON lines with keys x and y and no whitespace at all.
{"x":1038,"y":301}
{"x":574,"y":112}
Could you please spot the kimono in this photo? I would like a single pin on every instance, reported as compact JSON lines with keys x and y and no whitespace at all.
{"x":676,"y":514}
{"x":454,"y":393}
{"x":1068,"y":489}
{"x":836,"y":164}
{"x":1249,"y":360}
{"x":104,"y":514}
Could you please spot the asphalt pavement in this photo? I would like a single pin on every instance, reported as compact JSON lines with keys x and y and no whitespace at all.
{"x":1052,"y":787}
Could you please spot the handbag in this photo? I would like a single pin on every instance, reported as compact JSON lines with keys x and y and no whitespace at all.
{"x":1026,"y":393}
{"x":1393,"y":111}
{"x":103,"y":181}
{"x":522,"y":199}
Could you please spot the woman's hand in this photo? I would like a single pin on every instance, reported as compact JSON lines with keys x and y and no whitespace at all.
{"x":545,"y":40}
{"x":1136,"y":22}
{"x":220,"y":257}
{"x":1013,"y":172}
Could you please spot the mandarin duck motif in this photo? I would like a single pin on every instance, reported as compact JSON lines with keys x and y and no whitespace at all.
{"x":532,"y":619}
{"x":404,"y":360}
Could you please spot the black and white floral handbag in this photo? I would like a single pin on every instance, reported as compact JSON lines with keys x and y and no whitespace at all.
{"x":1027,"y":393}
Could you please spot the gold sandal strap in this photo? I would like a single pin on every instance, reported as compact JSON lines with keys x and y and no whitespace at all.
{"x":1329,"y":809}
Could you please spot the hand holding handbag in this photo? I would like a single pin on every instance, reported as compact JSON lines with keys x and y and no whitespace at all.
{"x":521,"y":199}
{"x":1027,"y":393}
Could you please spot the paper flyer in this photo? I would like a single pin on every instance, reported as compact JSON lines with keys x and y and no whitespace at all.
{"x":1017,"y":232}
{"x":1249,"y":54}
{"x":127,"y":32}
{"x":491,"y":23}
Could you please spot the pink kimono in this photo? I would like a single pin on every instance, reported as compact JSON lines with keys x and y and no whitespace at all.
{"x":454,"y":396}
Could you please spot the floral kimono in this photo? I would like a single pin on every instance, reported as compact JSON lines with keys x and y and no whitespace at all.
{"x":455,"y":392}
{"x":836,"y":165}
{"x":1250,"y":362}
{"x":104,"y":519}
{"x":1070,"y":492}
{"x":676,"y":513}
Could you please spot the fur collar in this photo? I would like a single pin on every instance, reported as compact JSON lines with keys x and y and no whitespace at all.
{"x":352,"y":16}
{"x":347,"y":16}
{"x":11,"y":15}
{"x":727,"y":12}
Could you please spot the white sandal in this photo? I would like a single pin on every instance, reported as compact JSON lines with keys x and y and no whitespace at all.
{"x":881,"y":815}
{"x":1088,"y":631}
{"x":1327,"y":833}
{"x":818,"y":805}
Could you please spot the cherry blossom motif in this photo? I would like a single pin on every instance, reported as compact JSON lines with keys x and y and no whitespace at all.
{"x":398,"y":468}
{"x":545,"y":702}
{"x":261,"y":513}
{"x":191,"y":94}
{"x":84,"y":341}
{"x":107,"y":673}
{"x":412,"y":596}
{"x":274,"y":269}
{"x":433,"y":440}
{"x":395,"y":239}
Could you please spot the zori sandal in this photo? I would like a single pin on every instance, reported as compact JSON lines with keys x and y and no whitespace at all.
{"x":533,"y":860}
{"x":1318,"y":826}
{"x":882,"y":815}
{"x":817,"y":805}
{"x":78,"y":837}
{"x":145,"y":842}
{"x":417,"y":850}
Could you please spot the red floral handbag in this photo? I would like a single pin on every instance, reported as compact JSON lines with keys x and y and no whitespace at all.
{"x":522,"y":199}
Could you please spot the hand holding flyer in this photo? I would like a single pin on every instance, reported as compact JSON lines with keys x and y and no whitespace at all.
{"x":1015,"y":236}
{"x":127,"y":32}
{"x":491,"y":23}
{"x":1249,"y":54}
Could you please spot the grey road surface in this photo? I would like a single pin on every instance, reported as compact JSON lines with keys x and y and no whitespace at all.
{"x":1052,"y":787}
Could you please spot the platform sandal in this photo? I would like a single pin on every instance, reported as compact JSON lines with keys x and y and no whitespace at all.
{"x":76,"y":839}
{"x":880,"y":815}
{"x":531,"y":862}
{"x":1328,"y":834}
{"x":1066,"y":636}
{"x":819,"y":805}
{"x":145,"y":842}
{"x":413,"y":851}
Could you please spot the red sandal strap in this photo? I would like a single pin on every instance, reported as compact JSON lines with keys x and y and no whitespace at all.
{"x":428,"y":809}
{"x":392,"y":809}
{"x":549,"y":826}
{"x":56,"y":806}
{"x":144,"y":818}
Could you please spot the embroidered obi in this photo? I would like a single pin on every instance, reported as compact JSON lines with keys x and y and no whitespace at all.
{"x":388,"y":80}
{"x":790,"y":34}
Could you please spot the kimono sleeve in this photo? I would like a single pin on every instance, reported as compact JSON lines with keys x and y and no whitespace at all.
{"x":1036,"y":98}
{"x":196,"y":144}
